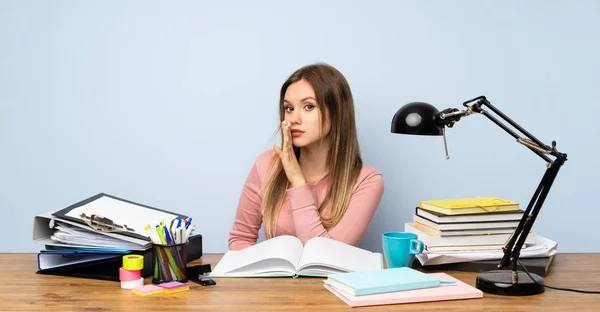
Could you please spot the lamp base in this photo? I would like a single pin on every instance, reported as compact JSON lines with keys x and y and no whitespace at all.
{"x":500,"y":282}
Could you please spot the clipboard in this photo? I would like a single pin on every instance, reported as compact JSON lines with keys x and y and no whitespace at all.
{"x":120,"y":211}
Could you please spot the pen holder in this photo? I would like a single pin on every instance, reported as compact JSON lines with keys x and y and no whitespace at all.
{"x":169,"y":262}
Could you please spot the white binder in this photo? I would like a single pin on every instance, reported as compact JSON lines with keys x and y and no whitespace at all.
{"x":120,"y":211}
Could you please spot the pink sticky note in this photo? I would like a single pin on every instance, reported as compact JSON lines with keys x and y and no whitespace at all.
{"x":147,"y":290}
{"x":171,"y":285}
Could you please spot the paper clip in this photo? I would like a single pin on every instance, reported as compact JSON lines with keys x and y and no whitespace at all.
{"x":104,"y":224}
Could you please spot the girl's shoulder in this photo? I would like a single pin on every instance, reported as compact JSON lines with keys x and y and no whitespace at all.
{"x":370,"y":174}
{"x":368,"y":170}
{"x":263,"y":160}
{"x":264,"y":163}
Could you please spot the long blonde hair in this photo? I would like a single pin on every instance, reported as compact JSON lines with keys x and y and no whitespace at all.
{"x":343,"y":160}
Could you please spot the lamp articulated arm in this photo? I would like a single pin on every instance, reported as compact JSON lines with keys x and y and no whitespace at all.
{"x":420,"y":118}
{"x":512,"y":249}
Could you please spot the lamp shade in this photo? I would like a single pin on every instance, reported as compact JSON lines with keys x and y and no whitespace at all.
{"x":416,"y":118}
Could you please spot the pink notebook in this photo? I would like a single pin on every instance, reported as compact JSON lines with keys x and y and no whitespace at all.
{"x":460,"y":290}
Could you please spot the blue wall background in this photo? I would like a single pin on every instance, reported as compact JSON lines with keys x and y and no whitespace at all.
{"x":168,"y":104}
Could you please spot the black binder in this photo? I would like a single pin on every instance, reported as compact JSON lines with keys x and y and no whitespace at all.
{"x":109,"y":269}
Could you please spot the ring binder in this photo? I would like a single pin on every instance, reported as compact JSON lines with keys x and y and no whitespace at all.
{"x":104,"y":224}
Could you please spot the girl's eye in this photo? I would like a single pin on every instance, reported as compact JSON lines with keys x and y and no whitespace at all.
{"x":288,"y":108}
{"x":309,"y":107}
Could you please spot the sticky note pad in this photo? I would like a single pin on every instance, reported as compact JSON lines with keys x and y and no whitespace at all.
{"x":174,"y":287}
{"x":171,"y":285}
{"x":147,"y":290}
{"x":176,"y":290}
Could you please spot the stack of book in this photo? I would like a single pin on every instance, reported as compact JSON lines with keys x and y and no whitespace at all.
{"x":468,"y":234}
{"x":397,"y":285}
{"x":466,"y":224}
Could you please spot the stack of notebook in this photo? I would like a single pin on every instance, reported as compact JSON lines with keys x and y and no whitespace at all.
{"x":480,"y":223}
{"x":397,"y":285}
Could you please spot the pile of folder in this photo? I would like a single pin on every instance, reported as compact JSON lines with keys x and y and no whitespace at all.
{"x":89,"y":238}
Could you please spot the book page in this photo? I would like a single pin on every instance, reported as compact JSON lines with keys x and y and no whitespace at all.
{"x":267,"y":267}
{"x":277,"y":254}
{"x":324,"y":254}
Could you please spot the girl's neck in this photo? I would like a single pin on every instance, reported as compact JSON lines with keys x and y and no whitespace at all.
{"x":313,"y":161}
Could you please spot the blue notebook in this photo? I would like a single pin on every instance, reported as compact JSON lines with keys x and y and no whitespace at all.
{"x":382,"y":281}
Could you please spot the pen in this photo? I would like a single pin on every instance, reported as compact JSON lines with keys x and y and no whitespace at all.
{"x":171,"y":227}
{"x":170,"y":258}
{"x":174,"y":252}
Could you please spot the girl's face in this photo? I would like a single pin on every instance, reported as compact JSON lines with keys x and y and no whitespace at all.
{"x":302,"y":113}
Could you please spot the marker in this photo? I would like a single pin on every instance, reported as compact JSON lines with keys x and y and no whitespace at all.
{"x":187,"y":233}
{"x":149,"y":233}
{"x":155,"y":235}
{"x":168,"y":236}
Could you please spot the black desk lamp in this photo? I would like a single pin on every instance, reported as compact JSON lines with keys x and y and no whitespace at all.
{"x":424,"y":119}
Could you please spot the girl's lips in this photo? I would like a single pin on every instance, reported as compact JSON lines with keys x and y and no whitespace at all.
{"x":296,"y":133}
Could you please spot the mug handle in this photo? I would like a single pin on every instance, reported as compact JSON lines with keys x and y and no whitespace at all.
{"x":418,"y":244}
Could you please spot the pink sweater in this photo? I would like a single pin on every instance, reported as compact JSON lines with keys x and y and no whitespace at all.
{"x":298,"y":215}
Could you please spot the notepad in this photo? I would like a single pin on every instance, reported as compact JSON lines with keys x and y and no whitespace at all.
{"x":382,"y":281}
{"x":459,"y":290}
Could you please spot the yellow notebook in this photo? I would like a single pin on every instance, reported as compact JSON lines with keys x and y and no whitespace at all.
{"x":460,"y":206}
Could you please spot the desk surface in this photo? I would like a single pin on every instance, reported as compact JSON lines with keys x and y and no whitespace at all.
{"x":23,"y":290}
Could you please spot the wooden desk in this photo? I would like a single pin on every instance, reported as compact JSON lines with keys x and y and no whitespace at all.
{"x":23,"y":290}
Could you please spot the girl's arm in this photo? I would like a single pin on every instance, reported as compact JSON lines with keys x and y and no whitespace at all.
{"x":248,"y":218}
{"x":355,"y":222}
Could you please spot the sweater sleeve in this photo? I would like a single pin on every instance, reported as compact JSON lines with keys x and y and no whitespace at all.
{"x":355,"y":222}
{"x":248,"y":218}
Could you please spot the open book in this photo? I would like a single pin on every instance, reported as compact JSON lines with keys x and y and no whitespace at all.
{"x":285,"y":256}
